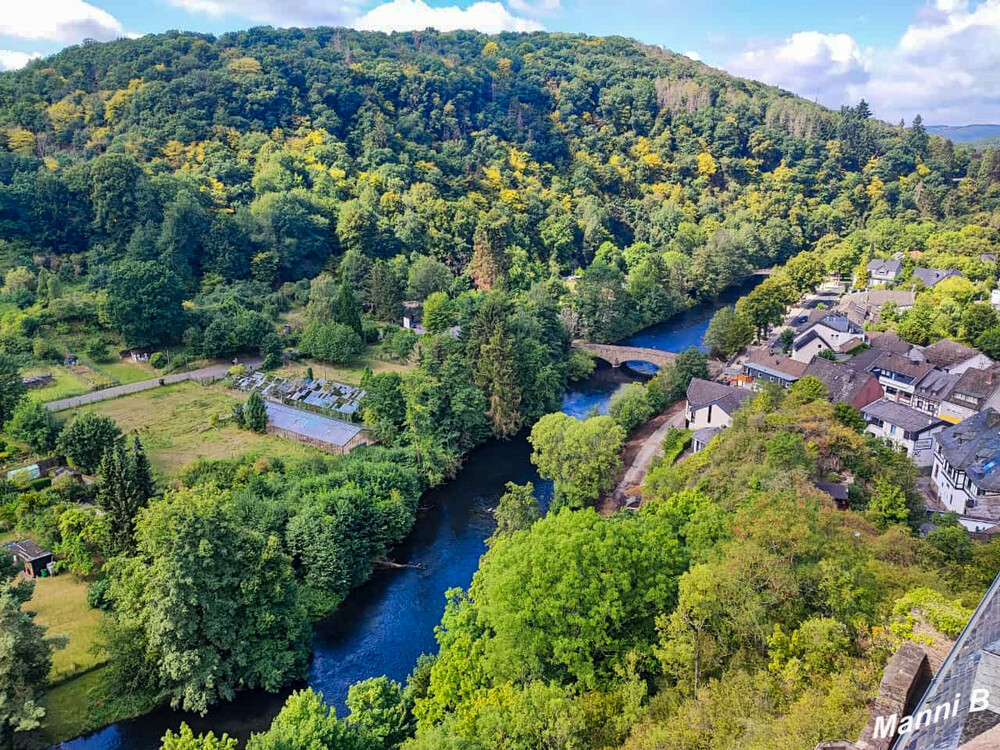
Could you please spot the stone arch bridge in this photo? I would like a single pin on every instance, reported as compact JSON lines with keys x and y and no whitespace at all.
{"x":616,"y":355}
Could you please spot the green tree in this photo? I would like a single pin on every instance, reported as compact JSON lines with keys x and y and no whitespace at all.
{"x":490,"y":262}
{"x":631,"y":407}
{"x":806,"y":390}
{"x":348,"y":313}
{"x":332,"y":342}
{"x":689,"y":364}
{"x":728,"y":332}
{"x":25,"y":656}
{"x":517,"y":509}
{"x":306,"y":721}
{"x":125,"y":489}
{"x":12,"y":390}
{"x":382,"y":709}
{"x":580,"y":457}
{"x":849,"y":417}
{"x":185,"y":739}
{"x":786,"y":339}
{"x":203,"y":582}
{"x":427,"y":276}
{"x":439,"y":313}
{"x":255,"y":413}
{"x":143,"y":302}
{"x":384,"y":406}
{"x":34,"y":424}
{"x":86,"y":438}
{"x":888,"y":505}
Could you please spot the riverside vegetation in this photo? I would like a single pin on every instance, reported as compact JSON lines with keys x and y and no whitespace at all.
{"x":196,"y":195}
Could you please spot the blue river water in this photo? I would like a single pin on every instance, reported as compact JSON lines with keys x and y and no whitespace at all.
{"x":389,"y":621}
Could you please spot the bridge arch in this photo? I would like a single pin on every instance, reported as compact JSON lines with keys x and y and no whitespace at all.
{"x":616,"y":355}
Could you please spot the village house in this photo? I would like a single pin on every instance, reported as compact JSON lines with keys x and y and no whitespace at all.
{"x":952,"y":356}
{"x":33,"y":558}
{"x":932,"y":391}
{"x":907,"y":429}
{"x":995,"y":299}
{"x":975,"y":390}
{"x":845,"y":384}
{"x":899,"y":376}
{"x":965,"y":476}
{"x":934,"y":276}
{"x":883,"y":271}
{"x":767,"y":366}
{"x":826,"y":330}
{"x":413,"y":316}
{"x":889,"y":341}
{"x":710,"y":407}
{"x":867,"y":306}
{"x":137,"y":354}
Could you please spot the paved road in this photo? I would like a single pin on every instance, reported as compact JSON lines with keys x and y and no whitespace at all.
{"x":211,"y":373}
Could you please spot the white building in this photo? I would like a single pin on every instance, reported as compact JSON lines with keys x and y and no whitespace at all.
{"x":907,"y":429}
{"x":710,"y":407}
{"x":965,"y":473}
{"x":883,"y":271}
{"x":826,"y":330}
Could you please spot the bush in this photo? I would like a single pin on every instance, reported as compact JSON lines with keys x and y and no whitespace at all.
{"x":97,"y":349}
{"x":34,"y":424}
{"x":630,"y":406}
{"x":86,"y":438}
{"x":158,"y":360}
{"x":237,"y":371}
{"x":332,"y":342}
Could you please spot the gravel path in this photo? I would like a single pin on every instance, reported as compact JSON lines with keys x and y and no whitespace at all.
{"x":205,"y":373}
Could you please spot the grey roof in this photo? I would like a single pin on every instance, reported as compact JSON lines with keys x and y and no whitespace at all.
{"x":889,"y":341}
{"x":978,"y":383}
{"x":947,"y":353}
{"x":705,"y":435}
{"x":895,"y":413}
{"x":842,"y":381}
{"x":875,"y":298}
{"x":836,"y":490}
{"x":974,"y":662}
{"x":863,"y":361}
{"x":973,"y":446}
{"x":932,"y":276}
{"x":901,"y":365}
{"x":884,"y":266}
{"x":311,"y":425}
{"x":937,"y":384}
{"x":775,"y":364}
{"x":727,"y":397}
{"x":26,"y":550}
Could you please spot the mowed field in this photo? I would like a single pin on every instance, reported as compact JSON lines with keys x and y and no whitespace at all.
{"x":174,"y":424}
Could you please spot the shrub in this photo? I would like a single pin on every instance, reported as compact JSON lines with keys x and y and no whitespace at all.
{"x":158,"y":360}
{"x":97,"y":349}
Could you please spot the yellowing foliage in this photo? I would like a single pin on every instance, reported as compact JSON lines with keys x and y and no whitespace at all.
{"x":706,"y":164}
{"x":20,"y":141}
{"x":120,"y":99}
{"x":244,"y":66}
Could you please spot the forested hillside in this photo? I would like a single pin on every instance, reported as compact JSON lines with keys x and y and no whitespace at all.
{"x":267,"y":156}
{"x":285,"y":192}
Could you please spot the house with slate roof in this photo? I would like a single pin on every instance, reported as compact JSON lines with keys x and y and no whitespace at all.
{"x":710,"y":408}
{"x":951,"y":356}
{"x":907,"y":429}
{"x":966,"y":471}
{"x":826,"y":330}
{"x":845,"y":383}
{"x":883,"y":271}
{"x":934,"y":276}
{"x":766,"y":366}
{"x":975,"y":390}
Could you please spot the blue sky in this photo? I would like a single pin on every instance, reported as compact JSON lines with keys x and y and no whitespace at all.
{"x":935,"y":57}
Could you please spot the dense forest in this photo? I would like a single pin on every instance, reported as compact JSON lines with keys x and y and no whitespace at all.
{"x":284,"y":192}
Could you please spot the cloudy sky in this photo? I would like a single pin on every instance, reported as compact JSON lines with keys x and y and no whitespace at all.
{"x":934,"y":57}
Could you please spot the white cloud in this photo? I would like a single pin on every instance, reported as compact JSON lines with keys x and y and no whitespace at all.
{"x":12,"y":59}
{"x":67,"y":21}
{"x":406,"y":15}
{"x":815,"y":65}
{"x":944,"y":66}
{"x":692,"y":54}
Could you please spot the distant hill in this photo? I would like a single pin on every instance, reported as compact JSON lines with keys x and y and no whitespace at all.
{"x":967,"y":133}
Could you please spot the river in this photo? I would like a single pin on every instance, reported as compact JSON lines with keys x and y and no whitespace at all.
{"x":385,"y":624}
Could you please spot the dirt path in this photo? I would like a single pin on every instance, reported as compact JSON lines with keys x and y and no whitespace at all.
{"x":640,"y":450}
{"x":214,"y":373}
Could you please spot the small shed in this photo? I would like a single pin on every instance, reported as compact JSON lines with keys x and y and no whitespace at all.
{"x":836,"y":490}
{"x":34,"y":558}
{"x":70,"y":360}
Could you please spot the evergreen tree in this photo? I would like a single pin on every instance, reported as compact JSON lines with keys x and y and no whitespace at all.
{"x":347,"y":312}
{"x":255,"y":413}
{"x":12,"y":390}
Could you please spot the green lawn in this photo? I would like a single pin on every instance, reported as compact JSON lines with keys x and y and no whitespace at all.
{"x":174,"y":425}
{"x":64,"y":385}
{"x":124,"y":371}
{"x":67,"y":708}
{"x":61,"y":606}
